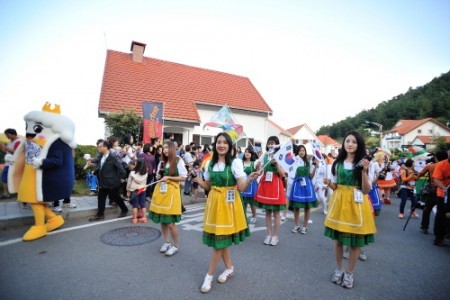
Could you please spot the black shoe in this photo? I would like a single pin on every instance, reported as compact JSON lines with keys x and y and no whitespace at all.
{"x":424,"y":230}
{"x":123,"y":214}
{"x":97,"y":218}
{"x":187,"y":194}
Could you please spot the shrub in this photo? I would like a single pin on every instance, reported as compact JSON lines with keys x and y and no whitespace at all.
{"x":80,"y":162}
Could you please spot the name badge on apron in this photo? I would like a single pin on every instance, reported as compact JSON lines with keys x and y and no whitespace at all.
{"x":269,"y":176}
{"x":358,"y":195}
{"x":302,"y":181}
{"x":230,"y":196}
{"x":163,"y":188}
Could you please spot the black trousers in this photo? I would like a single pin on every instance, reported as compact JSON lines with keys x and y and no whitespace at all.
{"x":430,"y":202}
{"x":114,"y":195}
{"x":440,"y":221}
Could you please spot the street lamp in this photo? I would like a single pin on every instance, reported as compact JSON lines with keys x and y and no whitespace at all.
{"x":380,"y":127}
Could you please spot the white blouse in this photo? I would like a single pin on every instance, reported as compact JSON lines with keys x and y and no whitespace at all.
{"x":237,"y":168}
{"x":180,"y":166}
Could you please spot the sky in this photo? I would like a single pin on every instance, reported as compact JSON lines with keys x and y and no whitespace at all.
{"x":314,"y":62}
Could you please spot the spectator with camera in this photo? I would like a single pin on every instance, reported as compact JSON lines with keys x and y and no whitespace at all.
{"x":429,"y":191}
{"x":441,"y":176}
{"x":408,"y":177}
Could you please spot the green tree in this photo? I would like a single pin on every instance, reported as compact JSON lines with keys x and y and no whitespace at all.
{"x":125,"y":122}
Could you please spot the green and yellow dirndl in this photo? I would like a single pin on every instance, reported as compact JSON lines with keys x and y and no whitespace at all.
{"x":166,"y":206}
{"x":347,"y":221}
{"x":224,"y":223}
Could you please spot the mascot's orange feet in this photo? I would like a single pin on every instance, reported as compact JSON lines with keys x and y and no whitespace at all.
{"x":54,"y":223}
{"x":35,"y":232}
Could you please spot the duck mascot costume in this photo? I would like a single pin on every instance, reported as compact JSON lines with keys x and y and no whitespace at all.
{"x":43,"y":167}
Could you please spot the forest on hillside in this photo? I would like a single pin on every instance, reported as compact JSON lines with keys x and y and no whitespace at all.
{"x":429,"y":101}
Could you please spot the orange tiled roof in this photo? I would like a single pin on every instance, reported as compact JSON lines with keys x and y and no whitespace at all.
{"x":427,"y":139}
{"x":283,"y":131}
{"x":126,"y":84}
{"x":404,"y":126}
{"x":326,"y":140}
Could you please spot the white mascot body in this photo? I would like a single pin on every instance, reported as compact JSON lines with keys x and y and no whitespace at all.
{"x":43,"y":167}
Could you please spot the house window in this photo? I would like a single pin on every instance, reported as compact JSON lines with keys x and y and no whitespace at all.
{"x":430,"y":131}
{"x":419,"y":130}
{"x":206,"y":139}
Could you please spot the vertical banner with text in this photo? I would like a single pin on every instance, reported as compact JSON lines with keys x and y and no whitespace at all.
{"x":153,"y":120}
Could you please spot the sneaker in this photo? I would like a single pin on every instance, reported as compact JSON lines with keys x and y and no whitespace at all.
{"x":415,"y":215}
{"x":347,"y":281}
{"x":274,"y":241}
{"x":267,"y":240}
{"x":303,"y":230}
{"x":310,"y":221}
{"x":206,"y":286}
{"x":325,"y":212}
{"x":57,"y":208}
{"x":387,"y":201}
{"x":164,"y":247}
{"x":283,"y":218}
{"x":253,"y":221}
{"x":69,"y":205}
{"x":424,"y":230}
{"x":401,"y":216}
{"x":172,"y":250}
{"x":296,"y":229}
{"x":346,"y":253}
{"x":337,"y":276}
{"x":225,"y":275}
{"x":362,"y":255}
{"x":26,"y":206}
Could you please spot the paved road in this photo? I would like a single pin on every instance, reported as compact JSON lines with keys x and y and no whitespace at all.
{"x":74,"y":264}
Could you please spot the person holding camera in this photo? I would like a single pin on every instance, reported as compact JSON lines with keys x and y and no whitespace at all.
{"x":430,"y":196}
{"x":441,"y":177}
{"x":407,"y":189}
{"x":350,"y":221}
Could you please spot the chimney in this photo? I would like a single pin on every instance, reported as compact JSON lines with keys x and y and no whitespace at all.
{"x":137,"y":51}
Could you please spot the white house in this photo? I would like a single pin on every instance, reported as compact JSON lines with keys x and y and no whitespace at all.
{"x":414,"y":132}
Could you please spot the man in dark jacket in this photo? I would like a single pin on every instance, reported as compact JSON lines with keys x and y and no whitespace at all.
{"x":110,"y":173}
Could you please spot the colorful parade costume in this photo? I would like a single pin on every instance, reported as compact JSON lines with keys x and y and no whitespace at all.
{"x":248,"y":195}
{"x":166,"y":201}
{"x":349,"y":222}
{"x":302,"y":193}
{"x":43,"y":169}
{"x":224,"y":221}
{"x":270,"y":194}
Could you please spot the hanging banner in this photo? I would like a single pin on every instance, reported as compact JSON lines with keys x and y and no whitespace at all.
{"x":153,"y":120}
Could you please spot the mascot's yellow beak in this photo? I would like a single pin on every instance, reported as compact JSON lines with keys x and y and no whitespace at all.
{"x":40,"y":142}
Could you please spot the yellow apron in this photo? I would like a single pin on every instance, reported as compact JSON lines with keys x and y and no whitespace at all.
{"x":168,"y":203}
{"x":222,"y":218}
{"x":346,"y":215}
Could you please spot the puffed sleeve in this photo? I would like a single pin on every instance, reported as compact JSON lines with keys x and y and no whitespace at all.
{"x":237,"y":167}
{"x":181,"y":168}
{"x":206,"y":172}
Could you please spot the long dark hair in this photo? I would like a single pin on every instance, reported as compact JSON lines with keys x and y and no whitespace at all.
{"x":228,"y":156}
{"x":141,"y":167}
{"x":253,"y":155}
{"x":360,"y":153}
{"x":297,"y":152}
{"x":171,"y":158}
